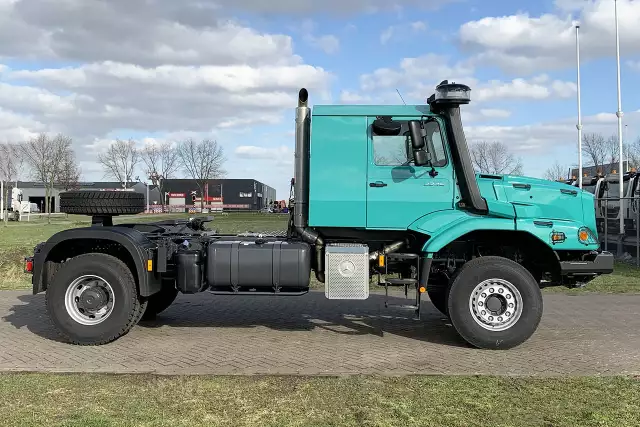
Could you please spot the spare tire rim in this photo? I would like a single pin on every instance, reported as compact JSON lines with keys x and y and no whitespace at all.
{"x":495,"y":304}
{"x":89,"y":300}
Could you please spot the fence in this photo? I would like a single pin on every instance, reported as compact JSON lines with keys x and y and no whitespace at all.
{"x":608,"y":213}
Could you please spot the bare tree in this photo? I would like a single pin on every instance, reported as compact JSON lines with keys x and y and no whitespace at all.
{"x":46,"y":157}
{"x":69,"y":173}
{"x":633,"y":150}
{"x":120,"y":160}
{"x":203,"y":161}
{"x":10,"y":165}
{"x":495,"y":158}
{"x":162,"y":162}
{"x":594,"y":147}
{"x":556,"y":172}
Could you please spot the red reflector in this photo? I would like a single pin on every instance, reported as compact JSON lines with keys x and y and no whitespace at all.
{"x":28,"y":266}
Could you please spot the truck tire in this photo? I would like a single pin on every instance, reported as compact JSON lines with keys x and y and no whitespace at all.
{"x":160,"y":301}
{"x":93,"y":299}
{"x":494,"y":303}
{"x":102,"y":202}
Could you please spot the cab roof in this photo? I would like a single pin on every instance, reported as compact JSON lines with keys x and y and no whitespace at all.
{"x":371,"y":110}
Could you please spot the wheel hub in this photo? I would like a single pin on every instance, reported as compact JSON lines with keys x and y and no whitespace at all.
{"x":495,"y":304}
{"x":89,"y":300}
{"x":93,"y":299}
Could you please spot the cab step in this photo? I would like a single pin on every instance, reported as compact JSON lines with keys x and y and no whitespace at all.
{"x":397,"y":256}
{"x":398,"y":282}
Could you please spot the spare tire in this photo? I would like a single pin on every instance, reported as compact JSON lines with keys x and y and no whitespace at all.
{"x":102,"y":202}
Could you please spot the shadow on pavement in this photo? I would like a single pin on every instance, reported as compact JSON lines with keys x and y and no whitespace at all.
{"x":303,"y":313}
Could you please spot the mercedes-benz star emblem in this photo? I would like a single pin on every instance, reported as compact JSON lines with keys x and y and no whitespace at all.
{"x":347,"y":268}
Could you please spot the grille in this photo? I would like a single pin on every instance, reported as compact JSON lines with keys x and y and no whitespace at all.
{"x":347,"y":271}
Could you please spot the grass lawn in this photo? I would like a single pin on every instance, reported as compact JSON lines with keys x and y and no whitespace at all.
{"x":18,"y":239}
{"x":142,"y":400}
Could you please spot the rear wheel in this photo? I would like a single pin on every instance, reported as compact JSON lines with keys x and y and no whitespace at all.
{"x":495,"y":303}
{"x":93,"y":299}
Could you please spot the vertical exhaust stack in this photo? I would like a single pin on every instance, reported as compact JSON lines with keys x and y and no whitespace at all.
{"x":301,"y":182}
{"x":302,"y":154}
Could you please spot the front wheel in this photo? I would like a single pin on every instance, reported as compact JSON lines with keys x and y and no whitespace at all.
{"x":494,"y":303}
{"x":93,"y":299}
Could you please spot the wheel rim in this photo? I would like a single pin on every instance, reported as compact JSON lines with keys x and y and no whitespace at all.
{"x":89,"y":300}
{"x":495,"y":304}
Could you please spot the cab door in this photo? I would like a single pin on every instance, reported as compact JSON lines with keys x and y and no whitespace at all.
{"x":398,"y":192}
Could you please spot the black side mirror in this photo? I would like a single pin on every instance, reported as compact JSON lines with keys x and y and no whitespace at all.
{"x":417,"y":135}
{"x":420,"y":158}
{"x":416,"y":132}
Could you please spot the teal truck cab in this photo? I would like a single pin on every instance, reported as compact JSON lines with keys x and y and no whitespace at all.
{"x":381,"y":193}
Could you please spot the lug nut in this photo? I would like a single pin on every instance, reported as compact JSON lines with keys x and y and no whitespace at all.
{"x":484,"y":312}
{"x":507,"y":314}
{"x":500,"y":319}
{"x":501,"y":290}
{"x":511,"y":305}
{"x":508,"y":296}
{"x":492,"y":290}
{"x":480,"y":303}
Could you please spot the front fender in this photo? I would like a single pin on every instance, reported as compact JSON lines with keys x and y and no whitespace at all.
{"x":135,"y":243}
{"x":446,"y":226}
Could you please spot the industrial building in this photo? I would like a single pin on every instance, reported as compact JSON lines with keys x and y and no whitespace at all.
{"x":180,"y":195}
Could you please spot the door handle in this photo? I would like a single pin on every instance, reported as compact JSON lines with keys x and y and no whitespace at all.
{"x":377,"y":184}
{"x":523,"y":186}
{"x":570,"y":192}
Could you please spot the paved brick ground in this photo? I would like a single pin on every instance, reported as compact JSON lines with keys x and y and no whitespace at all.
{"x":592,"y":334}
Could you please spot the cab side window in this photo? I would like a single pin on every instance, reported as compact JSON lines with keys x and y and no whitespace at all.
{"x":391,"y":150}
{"x":395,"y":150}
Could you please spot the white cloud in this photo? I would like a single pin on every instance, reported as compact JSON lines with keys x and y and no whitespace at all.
{"x":328,"y":43}
{"x":402,"y":31}
{"x":495,"y":113}
{"x":386,"y":35}
{"x":541,"y":138}
{"x":430,"y":68}
{"x":282,"y":155}
{"x":308,"y":29}
{"x":537,"y":88}
{"x":634,"y":65}
{"x":338,"y":7}
{"x":349,"y":97}
{"x":416,"y":78}
{"x":522,"y":43}
{"x":418,"y":26}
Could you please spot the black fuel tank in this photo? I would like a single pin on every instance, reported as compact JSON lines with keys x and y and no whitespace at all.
{"x":260,"y":266}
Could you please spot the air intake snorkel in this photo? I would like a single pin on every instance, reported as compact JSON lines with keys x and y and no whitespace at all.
{"x":446,"y":101}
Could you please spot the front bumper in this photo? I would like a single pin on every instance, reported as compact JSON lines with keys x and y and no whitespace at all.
{"x":594,"y":264}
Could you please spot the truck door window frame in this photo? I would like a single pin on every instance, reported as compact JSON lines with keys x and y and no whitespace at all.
{"x":437,"y":148}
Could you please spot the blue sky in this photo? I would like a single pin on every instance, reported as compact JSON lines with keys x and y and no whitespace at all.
{"x":232,"y":72}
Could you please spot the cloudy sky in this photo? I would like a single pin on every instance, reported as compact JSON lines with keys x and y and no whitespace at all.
{"x":230,"y":70}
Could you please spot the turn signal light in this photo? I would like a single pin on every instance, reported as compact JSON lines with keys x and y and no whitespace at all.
{"x":585,"y":236}
{"x":422,"y":289}
{"x":558,"y":237}
{"x":149,"y":265}
{"x":381,"y":261}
